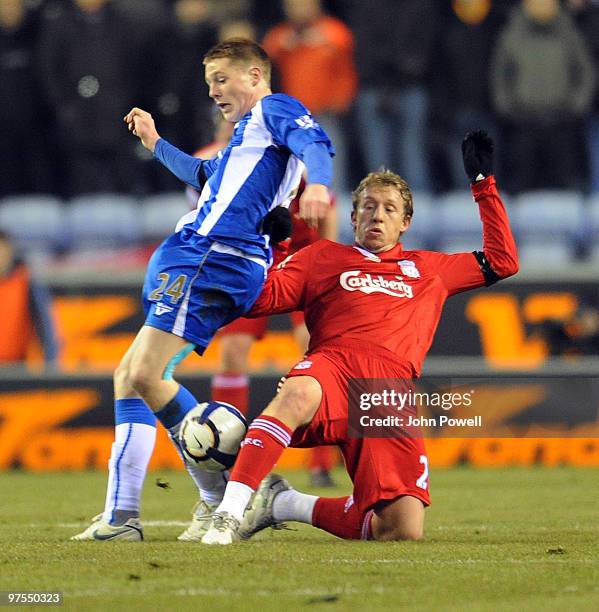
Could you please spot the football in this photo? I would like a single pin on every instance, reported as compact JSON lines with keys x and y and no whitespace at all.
{"x":211,"y":434}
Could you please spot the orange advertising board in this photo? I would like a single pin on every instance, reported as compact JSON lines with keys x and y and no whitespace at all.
{"x":66,"y":424}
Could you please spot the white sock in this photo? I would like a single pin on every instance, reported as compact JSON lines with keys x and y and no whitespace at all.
{"x":131,"y":452}
{"x":294,"y":506}
{"x":237,"y":497}
{"x":211,"y":485}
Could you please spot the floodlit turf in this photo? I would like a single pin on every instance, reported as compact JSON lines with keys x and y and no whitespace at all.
{"x":510,"y":539}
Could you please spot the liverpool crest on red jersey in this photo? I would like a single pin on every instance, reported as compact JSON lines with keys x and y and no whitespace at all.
{"x":408,"y":268}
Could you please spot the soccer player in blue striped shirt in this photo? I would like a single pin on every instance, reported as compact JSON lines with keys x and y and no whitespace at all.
{"x":212,"y":268}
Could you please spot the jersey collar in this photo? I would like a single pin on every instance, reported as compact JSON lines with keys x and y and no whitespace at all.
{"x":394,"y":252}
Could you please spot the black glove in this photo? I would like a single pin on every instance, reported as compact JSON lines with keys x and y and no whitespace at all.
{"x":277,"y":224}
{"x":477,"y":153}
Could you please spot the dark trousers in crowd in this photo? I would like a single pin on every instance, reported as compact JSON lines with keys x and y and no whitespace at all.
{"x":102,"y":171}
{"x":24,"y":164}
{"x":546,"y":156}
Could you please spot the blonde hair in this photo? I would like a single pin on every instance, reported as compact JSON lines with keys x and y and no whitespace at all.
{"x":385,"y":178}
{"x":241,"y":50}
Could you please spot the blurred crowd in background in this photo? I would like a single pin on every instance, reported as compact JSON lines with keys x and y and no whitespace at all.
{"x":395,"y":83}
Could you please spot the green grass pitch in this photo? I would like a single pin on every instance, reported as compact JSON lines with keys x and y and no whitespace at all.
{"x":504,"y":539}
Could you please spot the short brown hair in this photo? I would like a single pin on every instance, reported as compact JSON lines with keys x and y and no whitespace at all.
{"x":385,"y":178}
{"x":241,"y":50}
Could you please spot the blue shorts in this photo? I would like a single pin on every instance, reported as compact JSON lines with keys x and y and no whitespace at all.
{"x":194,"y":286}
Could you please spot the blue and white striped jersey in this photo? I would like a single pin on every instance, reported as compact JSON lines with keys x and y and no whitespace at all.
{"x":259,"y":170}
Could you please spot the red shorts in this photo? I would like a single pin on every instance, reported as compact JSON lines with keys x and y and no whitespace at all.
{"x":380,"y":468}
{"x":253,"y":327}
{"x":256,"y":327}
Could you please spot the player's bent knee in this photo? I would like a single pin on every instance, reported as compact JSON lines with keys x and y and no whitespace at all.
{"x":297,"y":401}
{"x":122,"y":377}
{"x":141,"y":378}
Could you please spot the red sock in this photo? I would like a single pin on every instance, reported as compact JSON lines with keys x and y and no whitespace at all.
{"x":322,"y":458}
{"x":233,"y":389}
{"x":264,"y":443}
{"x":341,"y":517}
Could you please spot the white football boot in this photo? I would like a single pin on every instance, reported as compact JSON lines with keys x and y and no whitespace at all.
{"x":259,"y":514}
{"x":100,"y":531}
{"x":202,"y":516}
{"x":223,"y":530}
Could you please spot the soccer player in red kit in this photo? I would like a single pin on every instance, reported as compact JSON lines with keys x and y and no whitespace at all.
{"x":371,"y":310}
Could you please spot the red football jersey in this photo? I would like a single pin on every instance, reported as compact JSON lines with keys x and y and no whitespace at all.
{"x":388,"y":302}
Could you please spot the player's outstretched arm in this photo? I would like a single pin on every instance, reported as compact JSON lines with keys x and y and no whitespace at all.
{"x":185,"y":167}
{"x":499,"y":258}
